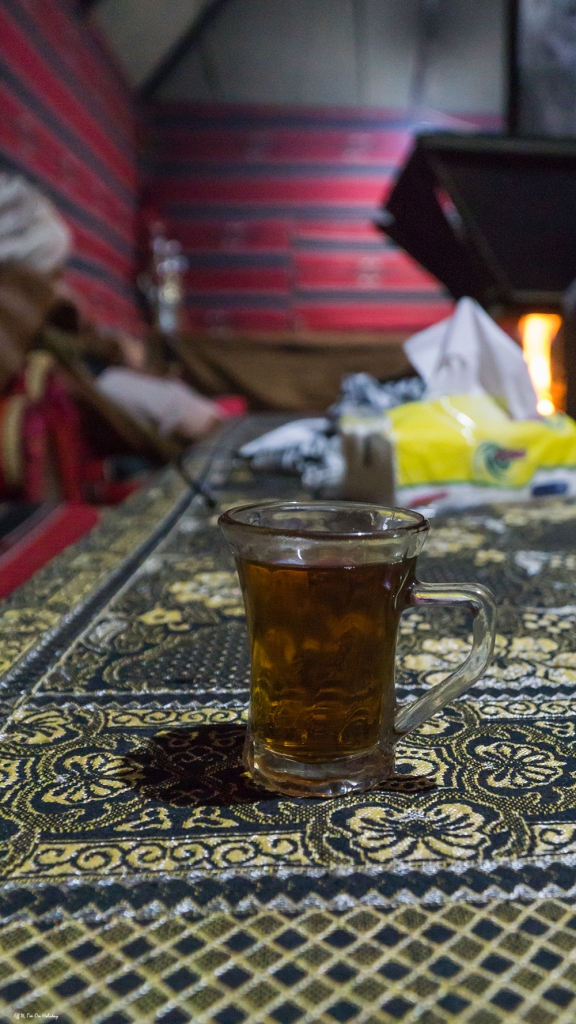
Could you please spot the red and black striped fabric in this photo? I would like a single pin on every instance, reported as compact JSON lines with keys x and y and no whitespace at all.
{"x":68,"y":124}
{"x":275,"y":208}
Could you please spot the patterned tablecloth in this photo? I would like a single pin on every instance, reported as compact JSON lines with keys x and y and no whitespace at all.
{"x":145,"y":878}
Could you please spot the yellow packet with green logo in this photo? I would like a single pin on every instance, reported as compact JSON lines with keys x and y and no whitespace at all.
{"x":464,"y":449}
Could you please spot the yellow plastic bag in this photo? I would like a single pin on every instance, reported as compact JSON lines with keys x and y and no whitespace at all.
{"x":465,"y":450}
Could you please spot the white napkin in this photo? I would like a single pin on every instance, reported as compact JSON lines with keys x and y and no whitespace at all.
{"x":468,"y":354}
{"x":299,"y":437}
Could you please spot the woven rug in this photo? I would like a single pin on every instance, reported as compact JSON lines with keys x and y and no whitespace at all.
{"x":146,"y":878}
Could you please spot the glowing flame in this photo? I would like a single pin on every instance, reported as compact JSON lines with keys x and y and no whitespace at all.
{"x":538,"y":331}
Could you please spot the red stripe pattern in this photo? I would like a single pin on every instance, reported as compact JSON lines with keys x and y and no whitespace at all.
{"x":61,"y":527}
{"x":275,"y":208}
{"x":68,"y":124}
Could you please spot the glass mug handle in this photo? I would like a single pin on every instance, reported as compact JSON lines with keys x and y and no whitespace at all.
{"x":481,"y":603}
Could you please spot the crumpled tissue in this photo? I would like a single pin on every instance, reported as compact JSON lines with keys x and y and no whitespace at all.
{"x":468,"y":354}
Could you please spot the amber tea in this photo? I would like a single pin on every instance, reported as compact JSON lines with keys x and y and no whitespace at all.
{"x":323,"y":641}
{"x":324,"y":587}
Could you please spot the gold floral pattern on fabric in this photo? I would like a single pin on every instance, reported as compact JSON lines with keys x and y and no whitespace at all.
{"x":442,"y":829}
{"x":213,"y":589}
{"x":160,"y":791}
{"x":548,"y":512}
{"x":173,"y":642}
{"x":122,"y":792}
{"x":157,"y":785}
{"x":67,"y":581}
{"x":450,"y":540}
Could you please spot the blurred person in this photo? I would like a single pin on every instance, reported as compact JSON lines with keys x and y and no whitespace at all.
{"x":35,"y":244}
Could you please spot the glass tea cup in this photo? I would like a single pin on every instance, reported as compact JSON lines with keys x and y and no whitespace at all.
{"x":324,"y":586}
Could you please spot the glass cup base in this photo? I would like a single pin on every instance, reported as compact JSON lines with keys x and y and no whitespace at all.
{"x":282,"y":774}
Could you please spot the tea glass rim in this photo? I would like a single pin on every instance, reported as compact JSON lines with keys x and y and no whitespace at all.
{"x":417,"y":524}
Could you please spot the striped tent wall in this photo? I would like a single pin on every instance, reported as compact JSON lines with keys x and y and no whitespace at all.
{"x":275,"y":208}
{"x":68,"y":125}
